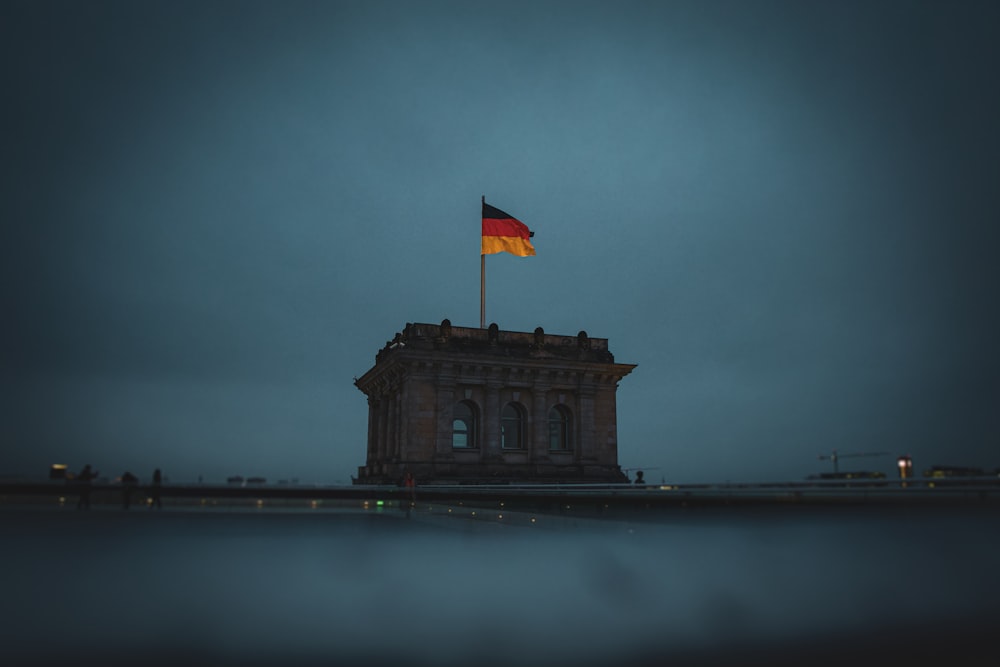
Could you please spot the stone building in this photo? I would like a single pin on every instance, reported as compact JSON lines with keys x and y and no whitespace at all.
{"x":456,"y":404}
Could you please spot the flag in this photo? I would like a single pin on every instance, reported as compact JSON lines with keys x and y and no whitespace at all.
{"x":504,"y":233}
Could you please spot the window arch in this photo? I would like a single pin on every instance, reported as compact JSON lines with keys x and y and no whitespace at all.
{"x":512,"y":427}
{"x":464,"y":426}
{"x":559,"y":435}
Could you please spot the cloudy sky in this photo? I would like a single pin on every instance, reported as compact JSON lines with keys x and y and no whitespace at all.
{"x":214,"y":213}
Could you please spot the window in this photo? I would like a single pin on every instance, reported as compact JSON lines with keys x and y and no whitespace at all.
{"x":463,"y":426}
{"x":559,"y":428}
{"x":512,"y":427}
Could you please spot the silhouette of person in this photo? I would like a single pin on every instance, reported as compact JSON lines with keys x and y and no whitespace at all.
{"x":154,"y":490}
{"x":639,"y":481}
{"x":409,"y":485}
{"x":129,"y":482}
{"x":83,"y":481}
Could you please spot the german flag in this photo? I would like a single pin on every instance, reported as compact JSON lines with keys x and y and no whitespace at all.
{"x":505,"y":233}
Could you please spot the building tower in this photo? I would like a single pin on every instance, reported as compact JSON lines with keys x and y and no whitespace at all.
{"x":464,"y":405}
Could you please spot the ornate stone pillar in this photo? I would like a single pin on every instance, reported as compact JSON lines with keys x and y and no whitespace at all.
{"x":540,"y":422}
{"x":491,"y":418}
{"x":611,"y":442}
{"x":403,"y":435}
{"x":372,"y":421}
{"x":588,"y":438}
{"x":382,"y":431}
{"x":397,"y":424}
{"x":390,"y":426}
{"x":446,"y":399}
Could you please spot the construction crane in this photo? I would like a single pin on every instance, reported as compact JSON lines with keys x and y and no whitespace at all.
{"x":834,"y":456}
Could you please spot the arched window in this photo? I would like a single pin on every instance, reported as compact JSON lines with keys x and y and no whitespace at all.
{"x":464,"y":426}
{"x":559,"y":428}
{"x":512,"y":427}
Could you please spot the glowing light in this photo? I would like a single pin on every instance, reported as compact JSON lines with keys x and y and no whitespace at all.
{"x":260,"y":503}
{"x":532,"y":519}
{"x":379,"y":503}
{"x":62,"y":500}
{"x":314,"y":504}
{"x":499,"y":516}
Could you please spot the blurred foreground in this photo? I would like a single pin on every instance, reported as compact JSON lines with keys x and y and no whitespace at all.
{"x":375,"y":585}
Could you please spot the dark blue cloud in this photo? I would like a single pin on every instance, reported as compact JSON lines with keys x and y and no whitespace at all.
{"x":783,"y":212}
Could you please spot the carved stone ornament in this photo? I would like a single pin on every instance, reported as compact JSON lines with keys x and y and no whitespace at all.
{"x":539,"y":337}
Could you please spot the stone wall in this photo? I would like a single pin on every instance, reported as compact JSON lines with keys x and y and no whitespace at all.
{"x":425,"y":370}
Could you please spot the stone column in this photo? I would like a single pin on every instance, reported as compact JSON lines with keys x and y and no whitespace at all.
{"x":446,"y":399}
{"x":380,"y":431}
{"x":403,"y":422}
{"x":540,"y":422}
{"x":491,"y":419}
{"x":588,"y":440}
{"x":372,"y":453}
{"x":390,"y":426}
{"x":396,"y":425}
{"x":611,"y":444}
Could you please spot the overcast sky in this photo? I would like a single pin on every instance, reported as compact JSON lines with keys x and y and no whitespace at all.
{"x":215,"y":213}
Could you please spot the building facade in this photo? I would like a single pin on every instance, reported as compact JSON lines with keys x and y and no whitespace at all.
{"x":465,"y":405}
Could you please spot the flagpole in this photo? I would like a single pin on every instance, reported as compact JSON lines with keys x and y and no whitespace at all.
{"x":482,"y":284}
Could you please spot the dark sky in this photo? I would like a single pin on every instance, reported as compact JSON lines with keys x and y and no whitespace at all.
{"x":215,"y":213}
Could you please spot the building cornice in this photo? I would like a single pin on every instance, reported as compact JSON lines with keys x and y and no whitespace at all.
{"x":433,"y":350}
